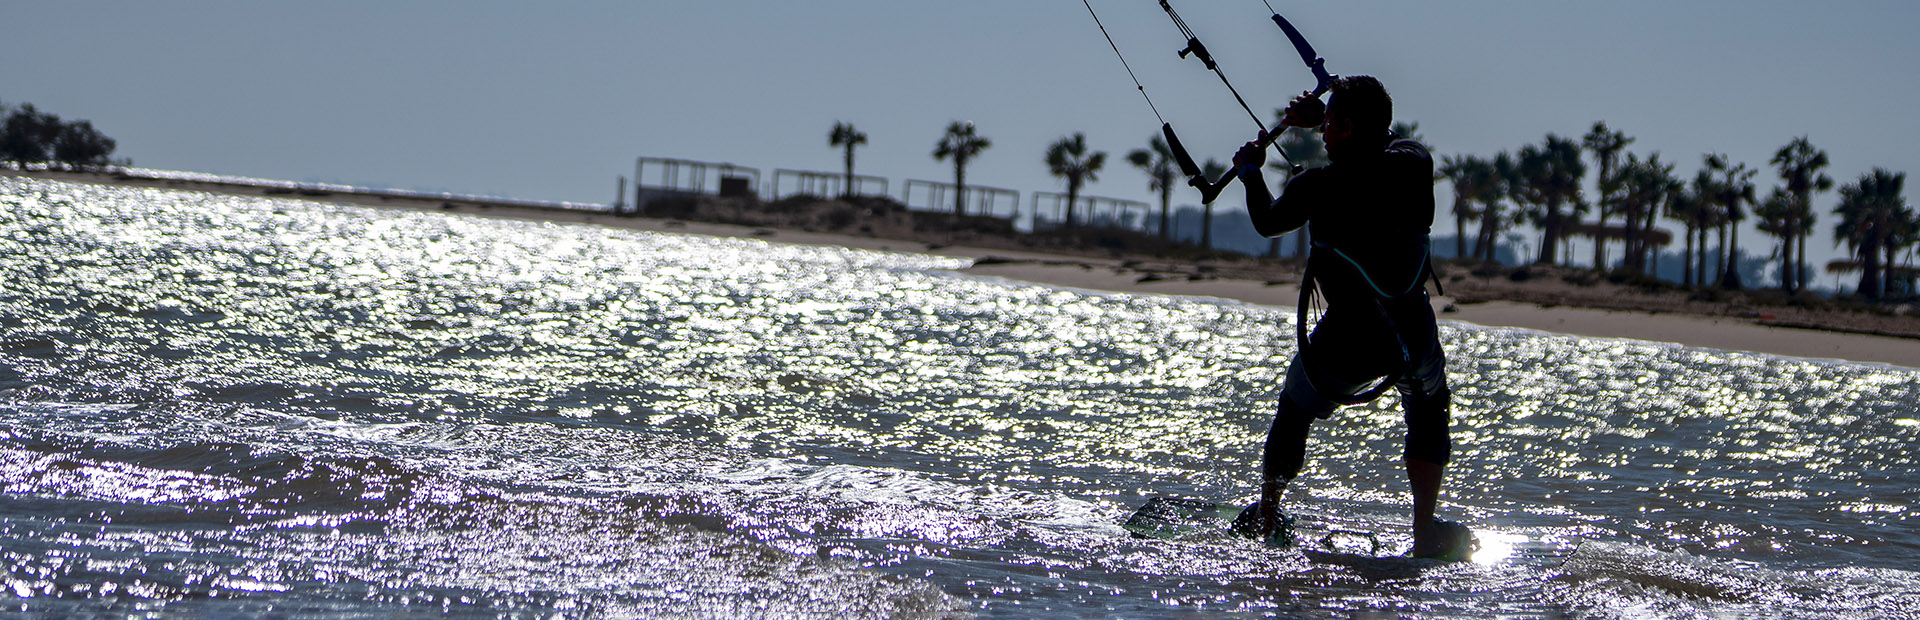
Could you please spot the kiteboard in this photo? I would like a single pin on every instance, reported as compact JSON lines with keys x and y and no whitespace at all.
{"x":1172,"y":518}
{"x":1179,"y":518}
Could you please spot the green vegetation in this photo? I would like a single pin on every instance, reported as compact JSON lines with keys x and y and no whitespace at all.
{"x":1545,"y":182}
{"x":1068,"y":159}
{"x":1157,"y":161}
{"x":962,"y":144}
{"x":30,"y":136}
{"x":846,"y":136}
{"x":1788,"y":213}
{"x":1875,"y":221}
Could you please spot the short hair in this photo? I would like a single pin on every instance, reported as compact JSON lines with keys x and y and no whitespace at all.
{"x":1362,"y":102}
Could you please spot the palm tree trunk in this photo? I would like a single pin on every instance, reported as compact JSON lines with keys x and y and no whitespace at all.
{"x":1650,"y":253}
{"x":1786,"y":260}
{"x":1719,"y":256}
{"x":1600,"y":243}
{"x":848,"y":190}
{"x":1800,"y":259}
{"x":1687,"y":277}
{"x":1700,"y":273}
{"x":1483,"y":246}
{"x":1650,"y":261}
{"x":1459,"y":232}
{"x":1166,"y":199}
{"x":1629,"y":259}
{"x":1786,"y":263}
{"x":1730,"y":279}
{"x":1550,"y":236}
{"x":1870,"y":268}
{"x":1073,"y":195}
{"x":959,"y":186}
{"x":1206,"y":228}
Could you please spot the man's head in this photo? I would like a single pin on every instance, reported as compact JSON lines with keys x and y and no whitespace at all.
{"x":1358,"y":110}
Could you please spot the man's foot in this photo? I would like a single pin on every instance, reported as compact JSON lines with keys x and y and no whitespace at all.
{"x":1263,"y":521}
{"x":1444,"y":540}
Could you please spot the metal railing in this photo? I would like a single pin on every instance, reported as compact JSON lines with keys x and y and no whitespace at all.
{"x":823,"y":184}
{"x":981,"y":200}
{"x":655,"y":178}
{"x":1050,"y":208}
{"x":686,"y":177}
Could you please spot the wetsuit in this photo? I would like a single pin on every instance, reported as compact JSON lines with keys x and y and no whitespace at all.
{"x":1369,"y":213}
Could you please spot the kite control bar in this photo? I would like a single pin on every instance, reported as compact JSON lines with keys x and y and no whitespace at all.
{"x":1211,"y":190}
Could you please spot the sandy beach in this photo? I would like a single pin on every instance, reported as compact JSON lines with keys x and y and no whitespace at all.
{"x":1131,"y":277}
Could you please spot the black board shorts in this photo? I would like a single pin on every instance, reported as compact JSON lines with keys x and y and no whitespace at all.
{"x":1354,"y":348}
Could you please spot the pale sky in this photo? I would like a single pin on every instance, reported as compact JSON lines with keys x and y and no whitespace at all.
{"x":551,"y":101}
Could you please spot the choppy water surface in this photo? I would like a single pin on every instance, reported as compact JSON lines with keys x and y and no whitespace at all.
{"x":224,"y":405}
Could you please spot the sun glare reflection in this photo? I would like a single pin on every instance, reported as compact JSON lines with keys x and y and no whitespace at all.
{"x":234,"y":406}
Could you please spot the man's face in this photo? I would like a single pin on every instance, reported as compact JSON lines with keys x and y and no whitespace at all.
{"x":1335,"y":129}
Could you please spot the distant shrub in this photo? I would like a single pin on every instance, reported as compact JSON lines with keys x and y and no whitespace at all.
{"x":29,"y":135}
{"x":675,"y":207}
{"x":841,"y":217}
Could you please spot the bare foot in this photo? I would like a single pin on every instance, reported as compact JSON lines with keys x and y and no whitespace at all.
{"x":1443,"y":540}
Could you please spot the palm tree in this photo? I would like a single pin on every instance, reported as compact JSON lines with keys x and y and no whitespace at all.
{"x":1212,"y":171}
{"x":1776,"y":217}
{"x":1800,"y":168}
{"x":1871,"y":213}
{"x":1606,"y":145}
{"x":1692,"y":207}
{"x":1501,"y":187}
{"x":1906,"y":235}
{"x":962,"y":144}
{"x":844,"y":135}
{"x":1473,"y":179}
{"x":1680,"y":205}
{"x":1068,"y":159}
{"x":1734,"y":190}
{"x":1157,"y":161}
{"x":1549,"y":177}
{"x":1643,"y":186}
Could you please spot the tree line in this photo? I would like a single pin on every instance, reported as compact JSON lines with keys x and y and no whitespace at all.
{"x":1542,"y":185}
{"x":1068,"y":159}
{"x":29,"y":135}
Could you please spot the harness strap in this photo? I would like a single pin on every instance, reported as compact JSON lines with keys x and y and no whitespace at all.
{"x":1426,"y":271}
{"x":1310,"y":287}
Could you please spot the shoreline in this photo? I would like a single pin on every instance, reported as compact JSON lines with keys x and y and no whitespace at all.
{"x":1117,"y":275}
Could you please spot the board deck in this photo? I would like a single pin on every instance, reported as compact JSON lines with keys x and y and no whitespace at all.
{"x":1168,"y":518}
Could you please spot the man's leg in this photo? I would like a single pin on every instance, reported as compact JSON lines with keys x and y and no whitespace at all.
{"x":1428,"y":403}
{"x":1286,"y":447}
{"x":1286,"y":455}
{"x":1425,"y":478}
{"x":1286,"y":451}
{"x":1428,"y":449}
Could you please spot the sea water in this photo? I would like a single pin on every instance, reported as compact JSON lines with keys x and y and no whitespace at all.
{"x":217,"y":405}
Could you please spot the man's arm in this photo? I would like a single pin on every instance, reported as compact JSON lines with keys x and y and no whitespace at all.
{"x":1271,"y":216}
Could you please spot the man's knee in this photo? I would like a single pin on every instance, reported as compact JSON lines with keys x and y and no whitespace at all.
{"x":1428,"y":418}
{"x":1301,"y":395}
{"x":1286,"y":447}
